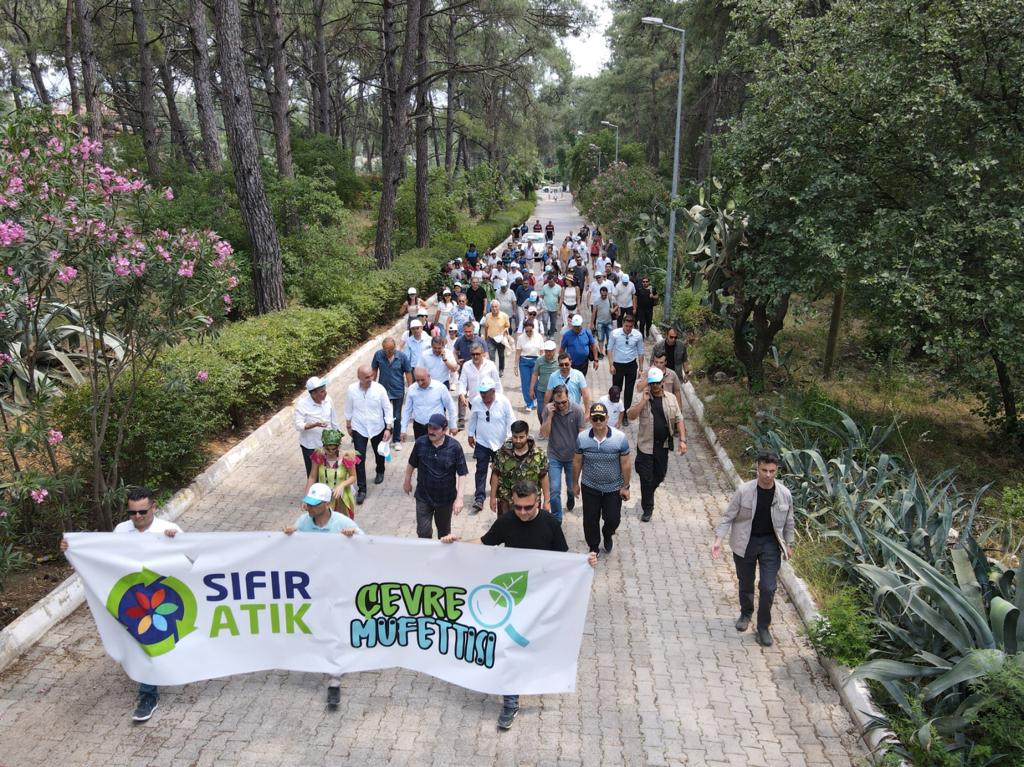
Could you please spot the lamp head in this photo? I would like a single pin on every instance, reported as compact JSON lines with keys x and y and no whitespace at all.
{"x":655,"y":21}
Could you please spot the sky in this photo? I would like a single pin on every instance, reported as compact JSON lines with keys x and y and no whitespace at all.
{"x":590,"y":53}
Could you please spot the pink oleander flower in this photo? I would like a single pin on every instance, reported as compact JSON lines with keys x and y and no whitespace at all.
{"x":139,"y":269}
{"x":232,"y":282}
{"x":227,"y":299}
{"x":168,"y":193}
{"x":186,"y":269}
{"x":39,"y":494}
{"x":201,"y":376}
{"x":5,"y":359}
{"x":54,"y":437}
{"x":53,"y":256}
{"x":11,"y":233}
{"x":15,"y":185}
{"x":66,"y":274}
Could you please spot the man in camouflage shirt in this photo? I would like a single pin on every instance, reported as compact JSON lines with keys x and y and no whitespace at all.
{"x":517,"y":460}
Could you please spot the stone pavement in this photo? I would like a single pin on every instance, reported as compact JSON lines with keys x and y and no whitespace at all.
{"x":664,"y":678}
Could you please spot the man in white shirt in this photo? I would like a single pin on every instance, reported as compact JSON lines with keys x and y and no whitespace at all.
{"x":369,"y":418}
{"x":478,"y":369}
{"x":424,"y":398}
{"x":141,"y":509}
{"x":596,"y":284}
{"x":600,"y":264}
{"x":438,"y":362}
{"x":314,"y":412}
{"x":415,"y":342}
{"x":490,"y":424}
{"x":624,"y":296}
{"x":626,"y":359}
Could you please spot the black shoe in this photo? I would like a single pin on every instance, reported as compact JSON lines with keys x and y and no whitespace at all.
{"x":360,"y":496}
{"x":379,"y":478}
{"x":333,"y":696}
{"x":506,"y":716}
{"x":764,"y":638}
{"x":477,"y":506}
{"x":743,"y":622}
{"x":144,"y":710}
{"x":646,"y":516}
{"x":608,"y":545}
{"x":570,"y":503}
{"x":625,"y":420}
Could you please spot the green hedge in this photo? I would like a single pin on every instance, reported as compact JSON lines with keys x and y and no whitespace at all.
{"x":254,"y":365}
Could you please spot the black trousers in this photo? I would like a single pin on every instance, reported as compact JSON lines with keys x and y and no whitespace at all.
{"x":625,"y":378}
{"x":307,"y":457}
{"x":429,"y":516}
{"x":360,"y":442}
{"x":418,"y":429}
{"x":644,"y":319}
{"x":582,"y":367}
{"x":396,"y":411}
{"x":651,"y":468}
{"x":483,"y":456}
{"x":763,"y":551}
{"x":599,"y":506}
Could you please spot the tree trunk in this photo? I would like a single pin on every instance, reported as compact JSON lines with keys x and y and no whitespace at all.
{"x":653,"y":135}
{"x":766,"y":326}
{"x":240,"y":126}
{"x":90,"y":80}
{"x":279,"y":95}
{"x":1009,"y":397}
{"x":37,"y":77}
{"x":833,"y":331}
{"x":391,"y":160}
{"x":178,"y":132}
{"x":434,"y":130}
{"x":422,"y":113}
{"x":69,"y":58}
{"x":449,"y":111}
{"x":147,"y":92}
{"x":202,"y":80}
{"x":320,"y":74}
{"x":16,"y":86}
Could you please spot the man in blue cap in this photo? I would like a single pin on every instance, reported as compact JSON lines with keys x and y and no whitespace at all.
{"x":440,"y":464}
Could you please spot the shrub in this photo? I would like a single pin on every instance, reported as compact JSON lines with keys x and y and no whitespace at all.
{"x":1009,"y":505}
{"x":713,"y":353}
{"x":688,"y":310}
{"x":996,"y":714}
{"x":317,"y":154}
{"x":844,"y":630}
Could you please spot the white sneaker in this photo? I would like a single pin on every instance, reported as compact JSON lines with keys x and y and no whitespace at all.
{"x":398,"y":447}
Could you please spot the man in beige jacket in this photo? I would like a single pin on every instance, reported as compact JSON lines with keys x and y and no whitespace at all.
{"x":660,"y":419}
{"x":759,"y":522}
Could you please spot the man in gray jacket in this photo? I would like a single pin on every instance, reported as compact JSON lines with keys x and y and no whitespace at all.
{"x":759,"y":523}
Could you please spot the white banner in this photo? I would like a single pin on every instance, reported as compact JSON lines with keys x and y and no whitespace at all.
{"x":205,"y":605}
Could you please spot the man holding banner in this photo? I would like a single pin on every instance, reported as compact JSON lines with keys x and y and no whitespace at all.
{"x":527,"y":528}
{"x":142,"y":519}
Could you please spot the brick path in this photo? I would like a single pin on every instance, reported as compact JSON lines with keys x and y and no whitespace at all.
{"x":664,"y":678}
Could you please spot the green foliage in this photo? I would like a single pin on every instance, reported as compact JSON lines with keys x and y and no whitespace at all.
{"x":1009,"y":505}
{"x":688,"y":310}
{"x":843,"y":631}
{"x":443,"y":206}
{"x":320,"y":155}
{"x":995,"y":716}
{"x":713,"y":353}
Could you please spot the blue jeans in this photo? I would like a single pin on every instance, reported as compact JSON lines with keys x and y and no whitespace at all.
{"x":510,"y":701}
{"x":526,"y":365}
{"x":604,"y":330}
{"x":149,"y":689}
{"x":555,"y":470}
{"x":483,"y":456}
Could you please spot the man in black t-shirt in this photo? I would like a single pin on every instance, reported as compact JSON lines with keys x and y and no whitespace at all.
{"x":527,"y":528}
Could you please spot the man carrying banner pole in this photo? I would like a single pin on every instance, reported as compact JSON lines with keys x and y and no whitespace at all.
{"x":527,"y":528}
{"x":142,"y":518}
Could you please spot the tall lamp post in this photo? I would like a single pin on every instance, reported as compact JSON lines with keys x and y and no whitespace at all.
{"x":613,"y":125}
{"x":659,"y":22}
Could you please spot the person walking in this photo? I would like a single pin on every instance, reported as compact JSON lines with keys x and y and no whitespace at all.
{"x":437,"y":361}
{"x":496,"y":328}
{"x":670,"y":381}
{"x":673,"y":346}
{"x":506,"y":298}
{"x":394,"y":373}
{"x":601,"y":320}
{"x":318,"y":517}
{"x":462,"y":313}
{"x":660,"y":417}
{"x":490,"y":421}
{"x":528,"y":527}
{"x":140,"y":506}
{"x":581,"y":346}
{"x":529,"y":347}
{"x":646,"y":298}
{"x":331,"y":469}
{"x":546,"y":364}
{"x":369,"y":420}
{"x":412,"y":305}
{"x":574,"y":381}
{"x":414,"y":342}
{"x":601,"y":475}
{"x":624,"y":298}
{"x":561,"y":426}
{"x":517,"y":460}
{"x":626,"y":359}
{"x":314,"y":412}
{"x":477,"y":298}
{"x":425,"y":398}
{"x":440,"y":465}
{"x":551,"y":300}
{"x":760,"y":524}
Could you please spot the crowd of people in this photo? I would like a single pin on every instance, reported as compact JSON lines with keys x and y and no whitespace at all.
{"x":552,"y":316}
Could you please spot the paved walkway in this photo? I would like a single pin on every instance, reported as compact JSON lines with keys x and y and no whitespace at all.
{"x":664,"y":678}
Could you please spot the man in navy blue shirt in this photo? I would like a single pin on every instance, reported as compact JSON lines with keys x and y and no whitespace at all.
{"x":394,"y":373}
{"x":579,"y":343}
{"x":440,"y":464}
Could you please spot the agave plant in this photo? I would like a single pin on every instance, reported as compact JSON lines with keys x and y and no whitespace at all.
{"x":49,"y":353}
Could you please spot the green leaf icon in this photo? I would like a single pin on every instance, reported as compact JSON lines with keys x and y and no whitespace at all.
{"x":514,"y":583}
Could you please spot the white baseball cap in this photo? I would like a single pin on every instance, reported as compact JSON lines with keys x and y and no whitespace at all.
{"x":315,"y":382}
{"x":411,"y":291}
{"x":415,"y":324}
{"x":550,"y":345}
{"x":318,"y":493}
{"x":454,"y":326}
{"x":655,"y":375}
{"x":577,"y":320}
{"x":486,"y":384}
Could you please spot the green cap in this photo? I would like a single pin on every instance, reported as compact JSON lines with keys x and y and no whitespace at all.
{"x":331,"y":437}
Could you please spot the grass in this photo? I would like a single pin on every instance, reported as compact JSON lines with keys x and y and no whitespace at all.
{"x":936,"y":429}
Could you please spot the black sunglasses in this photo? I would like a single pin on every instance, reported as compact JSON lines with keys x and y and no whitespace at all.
{"x":597,"y":418}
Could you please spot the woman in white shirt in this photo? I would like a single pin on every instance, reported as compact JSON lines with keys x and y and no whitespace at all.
{"x":445,"y":307}
{"x":570,"y":299}
{"x":529,"y":345}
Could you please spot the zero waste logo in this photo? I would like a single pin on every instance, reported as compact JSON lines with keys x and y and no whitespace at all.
{"x":158,"y":611}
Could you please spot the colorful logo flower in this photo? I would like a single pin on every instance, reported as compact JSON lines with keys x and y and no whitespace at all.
{"x":158,"y":611}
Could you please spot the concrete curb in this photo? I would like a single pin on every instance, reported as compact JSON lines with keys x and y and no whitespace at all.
{"x":852,"y":692}
{"x":31,"y":625}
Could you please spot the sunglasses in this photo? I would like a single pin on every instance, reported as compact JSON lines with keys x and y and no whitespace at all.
{"x":672,"y":338}
{"x":597,"y":418}
{"x":137,"y":512}
{"x":564,"y":365}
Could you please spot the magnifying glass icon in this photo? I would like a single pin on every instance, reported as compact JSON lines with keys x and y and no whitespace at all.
{"x":485,"y":608}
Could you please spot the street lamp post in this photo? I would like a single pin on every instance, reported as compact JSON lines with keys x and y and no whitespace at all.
{"x":658,"y":22}
{"x":613,"y":125}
